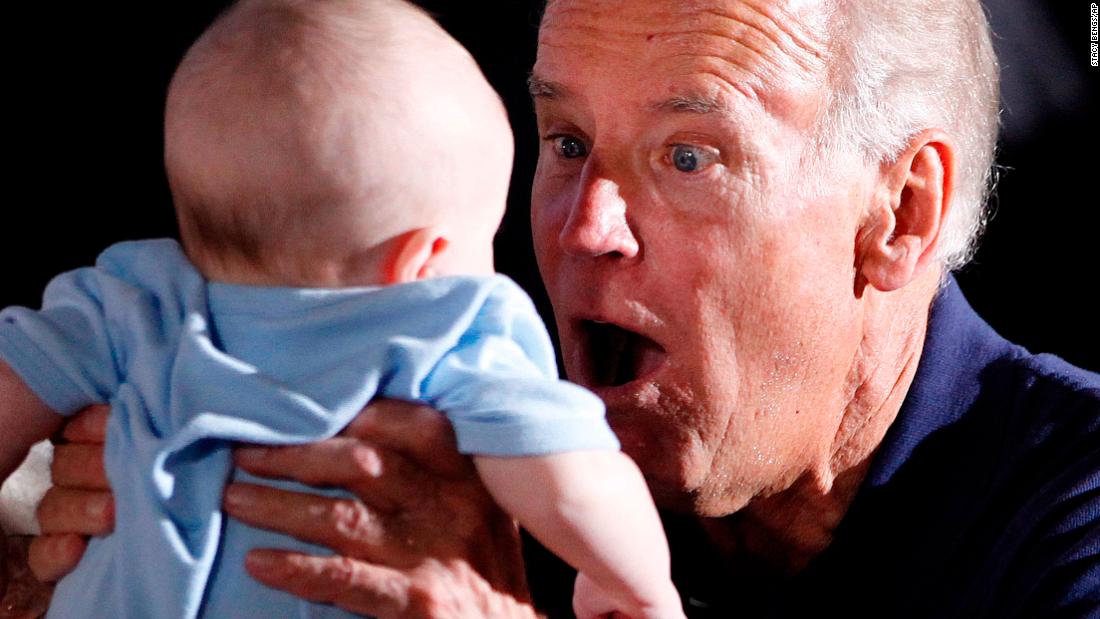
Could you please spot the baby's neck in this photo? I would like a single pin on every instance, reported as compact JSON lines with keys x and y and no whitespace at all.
{"x":303,"y":273}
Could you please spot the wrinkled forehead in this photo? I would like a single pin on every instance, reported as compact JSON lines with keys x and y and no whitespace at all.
{"x":769,"y":50}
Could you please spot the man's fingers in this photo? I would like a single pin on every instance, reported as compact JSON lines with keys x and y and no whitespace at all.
{"x":352,"y":585}
{"x":346,"y":526}
{"x":79,"y":504}
{"x":85,"y":512}
{"x":79,"y":465}
{"x":52,"y":556}
{"x":381,"y":478}
{"x":87,"y":426}
{"x":417,"y":431}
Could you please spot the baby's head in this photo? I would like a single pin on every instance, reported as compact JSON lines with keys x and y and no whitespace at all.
{"x":334,"y":143}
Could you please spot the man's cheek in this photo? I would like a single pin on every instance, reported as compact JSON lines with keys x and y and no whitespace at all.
{"x":549,"y":214}
{"x":544,"y":235}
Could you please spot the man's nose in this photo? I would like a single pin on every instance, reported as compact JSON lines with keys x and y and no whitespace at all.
{"x":597,"y":223}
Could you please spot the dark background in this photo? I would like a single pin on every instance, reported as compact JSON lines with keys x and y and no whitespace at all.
{"x":88,"y":84}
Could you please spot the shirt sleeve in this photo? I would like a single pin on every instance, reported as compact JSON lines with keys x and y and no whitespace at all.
{"x":63,"y":352}
{"x":499,"y":387}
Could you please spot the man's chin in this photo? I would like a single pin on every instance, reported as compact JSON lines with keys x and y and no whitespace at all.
{"x":696,"y":502}
{"x":674,"y":491}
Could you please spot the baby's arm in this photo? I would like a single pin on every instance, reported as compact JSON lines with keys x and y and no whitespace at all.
{"x":591,"y":508}
{"x":24,"y":420}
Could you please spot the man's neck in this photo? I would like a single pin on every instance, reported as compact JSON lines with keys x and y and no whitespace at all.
{"x":789,"y":528}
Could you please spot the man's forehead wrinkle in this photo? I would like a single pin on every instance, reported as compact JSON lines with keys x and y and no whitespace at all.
{"x":731,"y":72}
{"x":800,"y":40}
{"x":757,"y":50}
{"x":588,"y":23}
{"x":769,"y":35}
{"x":577,"y":14}
{"x":549,"y":78}
{"x":720,"y":86}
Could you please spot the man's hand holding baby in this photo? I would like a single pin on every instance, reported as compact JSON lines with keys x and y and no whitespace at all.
{"x":423,"y":540}
{"x":80,"y":503}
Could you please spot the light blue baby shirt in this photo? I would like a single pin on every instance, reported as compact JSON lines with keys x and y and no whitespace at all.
{"x":190,"y":366}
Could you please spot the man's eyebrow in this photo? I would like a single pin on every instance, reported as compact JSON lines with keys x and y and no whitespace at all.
{"x":545,"y":89}
{"x":692,"y":104}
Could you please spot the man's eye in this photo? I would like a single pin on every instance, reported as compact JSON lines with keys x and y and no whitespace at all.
{"x":569,"y":147}
{"x":687,"y":158}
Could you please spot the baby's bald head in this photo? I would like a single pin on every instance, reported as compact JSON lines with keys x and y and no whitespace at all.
{"x":302,"y":136}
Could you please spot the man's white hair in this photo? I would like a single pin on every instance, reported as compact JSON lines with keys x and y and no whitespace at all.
{"x":901,"y":67}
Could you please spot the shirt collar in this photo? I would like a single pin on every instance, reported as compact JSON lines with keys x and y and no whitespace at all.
{"x":958,"y":345}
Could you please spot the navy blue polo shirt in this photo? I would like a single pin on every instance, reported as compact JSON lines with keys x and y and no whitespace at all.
{"x":982,"y":501}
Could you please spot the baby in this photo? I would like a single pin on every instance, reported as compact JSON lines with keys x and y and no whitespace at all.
{"x":339,"y":169}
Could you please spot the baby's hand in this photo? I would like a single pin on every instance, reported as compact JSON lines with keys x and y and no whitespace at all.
{"x":592,"y":602}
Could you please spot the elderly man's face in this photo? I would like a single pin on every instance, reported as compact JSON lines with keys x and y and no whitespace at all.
{"x":702,"y":280}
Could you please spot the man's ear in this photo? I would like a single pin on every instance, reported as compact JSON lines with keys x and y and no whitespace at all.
{"x":415,"y":255}
{"x":902,"y":229}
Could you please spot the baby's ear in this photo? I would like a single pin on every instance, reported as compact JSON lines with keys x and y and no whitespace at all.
{"x":415,"y":254}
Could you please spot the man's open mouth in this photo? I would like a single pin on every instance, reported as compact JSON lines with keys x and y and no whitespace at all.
{"x":614,"y":356}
